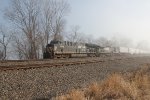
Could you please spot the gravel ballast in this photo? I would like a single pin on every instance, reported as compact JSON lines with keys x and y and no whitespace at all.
{"x":45,"y":83}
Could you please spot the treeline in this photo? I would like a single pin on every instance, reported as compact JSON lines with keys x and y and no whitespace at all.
{"x":33,"y":23}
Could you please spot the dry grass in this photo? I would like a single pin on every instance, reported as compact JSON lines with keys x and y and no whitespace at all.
{"x":131,"y":86}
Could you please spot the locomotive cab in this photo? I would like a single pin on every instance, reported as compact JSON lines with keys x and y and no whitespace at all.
{"x":49,"y":50}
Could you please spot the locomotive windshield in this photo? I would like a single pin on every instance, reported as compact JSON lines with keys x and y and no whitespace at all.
{"x":55,"y":42}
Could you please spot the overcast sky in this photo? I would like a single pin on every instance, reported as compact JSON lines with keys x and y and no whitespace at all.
{"x":129,"y":18}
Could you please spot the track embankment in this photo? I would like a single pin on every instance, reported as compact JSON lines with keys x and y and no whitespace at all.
{"x":32,"y":64}
{"x":47,"y":82}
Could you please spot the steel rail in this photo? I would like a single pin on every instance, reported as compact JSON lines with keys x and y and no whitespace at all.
{"x":53,"y":64}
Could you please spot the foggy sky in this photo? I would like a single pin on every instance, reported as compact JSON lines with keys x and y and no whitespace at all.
{"x":129,"y":18}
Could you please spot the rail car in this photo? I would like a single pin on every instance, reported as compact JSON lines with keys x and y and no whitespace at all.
{"x":67,"y":49}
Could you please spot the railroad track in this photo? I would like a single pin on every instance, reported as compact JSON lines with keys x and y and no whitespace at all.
{"x":53,"y":64}
{"x":40,"y":60}
{"x":5,"y":61}
{"x":33,"y":66}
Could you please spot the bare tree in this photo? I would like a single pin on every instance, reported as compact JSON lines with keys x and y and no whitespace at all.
{"x":29,"y":16}
{"x":21,"y":47}
{"x":74,"y":35}
{"x":53,"y":20}
{"x":1,"y":54}
{"x":5,"y":39}
{"x":89,"y":39}
{"x":102,"y":41}
{"x":121,"y":41}
{"x":25,"y":15}
{"x":54,"y":12}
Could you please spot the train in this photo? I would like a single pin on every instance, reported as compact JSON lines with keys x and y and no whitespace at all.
{"x":67,"y":49}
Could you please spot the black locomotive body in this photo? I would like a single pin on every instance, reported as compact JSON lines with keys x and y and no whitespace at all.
{"x":64,"y":49}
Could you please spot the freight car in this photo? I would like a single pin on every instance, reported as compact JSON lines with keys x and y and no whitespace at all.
{"x":131,"y":51}
{"x":66,"y":49}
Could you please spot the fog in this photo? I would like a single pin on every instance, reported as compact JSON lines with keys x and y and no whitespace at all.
{"x":109,"y":18}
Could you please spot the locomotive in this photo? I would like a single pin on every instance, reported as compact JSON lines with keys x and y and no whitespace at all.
{"x":67,"y":49}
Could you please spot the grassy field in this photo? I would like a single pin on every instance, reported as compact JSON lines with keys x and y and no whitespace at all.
{"x":122,"y":86}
